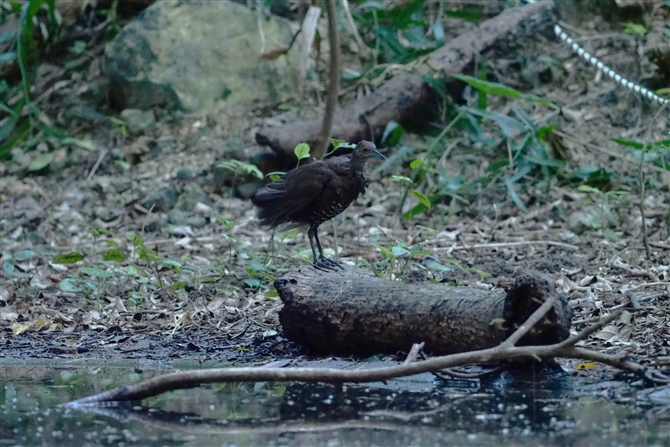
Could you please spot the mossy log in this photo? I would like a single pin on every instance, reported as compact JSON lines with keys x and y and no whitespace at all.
{"x":352,"y":312}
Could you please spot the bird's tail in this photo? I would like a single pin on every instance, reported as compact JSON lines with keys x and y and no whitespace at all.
{"x":272,"y":209}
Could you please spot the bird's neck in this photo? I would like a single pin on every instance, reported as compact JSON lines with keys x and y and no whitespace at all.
{"x":357,"y":164}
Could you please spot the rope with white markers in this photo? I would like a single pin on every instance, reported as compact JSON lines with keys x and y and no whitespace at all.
{"x":581,"y":52}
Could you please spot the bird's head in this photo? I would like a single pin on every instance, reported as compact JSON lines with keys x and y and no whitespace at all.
{"x":366,"y":149}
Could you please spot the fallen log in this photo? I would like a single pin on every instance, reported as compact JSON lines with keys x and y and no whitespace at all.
{"x":407,"y":97}
{"x":355,"y":313}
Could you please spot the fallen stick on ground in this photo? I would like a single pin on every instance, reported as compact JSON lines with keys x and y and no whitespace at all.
{"x":189,"y":379}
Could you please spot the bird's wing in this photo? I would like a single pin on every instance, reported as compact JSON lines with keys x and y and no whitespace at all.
{"x":305,"y":186}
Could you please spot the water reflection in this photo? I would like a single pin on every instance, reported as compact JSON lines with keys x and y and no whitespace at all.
{"x":512,"y":409}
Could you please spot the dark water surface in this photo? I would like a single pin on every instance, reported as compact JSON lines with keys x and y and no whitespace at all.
{"x":554,"y":409}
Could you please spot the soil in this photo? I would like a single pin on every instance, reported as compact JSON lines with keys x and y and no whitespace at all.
{"x":218,"y":306}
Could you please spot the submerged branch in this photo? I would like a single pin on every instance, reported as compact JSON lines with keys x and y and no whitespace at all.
{"x":188,"y":379}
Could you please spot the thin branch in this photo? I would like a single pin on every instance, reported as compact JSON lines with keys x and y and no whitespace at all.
{"x":461,"y":375}
{"x":539,"y":313}
{"x":589,"y":330}
{"x":640,"y":179}
{"x":187,"y":379}
{"x":618,"y":361}
{"x":512,"y":244}
{"x":321,"y":144}
{"x":414,"y":353}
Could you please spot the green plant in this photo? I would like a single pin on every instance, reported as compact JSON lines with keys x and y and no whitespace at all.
{"x":397,"y":258}
{"x":301,"y":151}
{"x":519,"y":152}
{"x":657,"y":153}
{"x":603,"y":199}
{"x":238,"y":167}
{"x":399,"y":32}
{"x":21,"y":121}
{"x":9,"y":263}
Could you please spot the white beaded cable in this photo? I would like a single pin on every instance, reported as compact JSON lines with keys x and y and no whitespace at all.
{"x":581,"y":52}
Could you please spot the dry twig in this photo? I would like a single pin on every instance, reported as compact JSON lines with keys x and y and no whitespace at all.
{"x":502,"y":352}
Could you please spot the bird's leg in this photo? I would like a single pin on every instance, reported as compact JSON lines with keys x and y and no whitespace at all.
{"x":322,"y":258}
{"x":320,"y":262}
{"x":310,"y":234}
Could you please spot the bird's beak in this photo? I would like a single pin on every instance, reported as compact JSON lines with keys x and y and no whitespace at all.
{"x":377,"y":154}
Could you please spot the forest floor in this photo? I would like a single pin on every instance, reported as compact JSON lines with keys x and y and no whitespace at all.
{"x":213,"y":300}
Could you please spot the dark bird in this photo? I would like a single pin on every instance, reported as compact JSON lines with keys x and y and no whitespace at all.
{"x":316,"y":192}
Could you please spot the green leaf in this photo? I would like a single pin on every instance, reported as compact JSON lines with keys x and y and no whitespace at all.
{"x":239,"y":166}
{"x":495,"y":88}
{"x":275,"y":175}
{"x":68,"y":258}
{"x":84,"y":144}
{"x":610,"y":234}
{"x":386,"y":253}
{"x":542,"y":132}
{"x":69,"y":285}
{"x":338,"y":143}
{"x":79,"y":47}
{"x":392,"y":133}
{"x":420,"y":208}
{"x":634,"y":29}
{"x":41,"y":162}
{"x":23,"y":255}
{"x":97,"y":232}
{"x":147,"y":255}
{"x":8,"y":268}
{"x":179,"y":285}
{"x":121,"y":165}
{"x":114,"y":255}
{"x":257,"y":265}
{"x":252,"y":282}
{"x":425,"y":201}
{"x":472,"y":16}
{"x":514,"y":196}
{"x":489,"y":87}
{"x":399,"y":250}
{"x":440,"y":267}
{"x":271,"y":293}
{"x":481,"y":273}
{"x":226,"y":223}
{"x":174,"y":265}
{"x":511,"y":127}
{"x":290,"y":234}
{"x":301,"y":151}
{"x":137,"y":241}
{"x":428,"y":229}
{"x":400,"y":179}
{"x":6,"y":37}
{"x":416,"y":163}
{"x":8,"y":56}
{"x":96,"y":272}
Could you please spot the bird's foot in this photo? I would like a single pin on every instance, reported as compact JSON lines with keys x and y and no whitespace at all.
{"x":324,"y":263}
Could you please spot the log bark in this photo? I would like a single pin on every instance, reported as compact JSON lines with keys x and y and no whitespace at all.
{"x":407,"y":97}
{"x":355,"y":313}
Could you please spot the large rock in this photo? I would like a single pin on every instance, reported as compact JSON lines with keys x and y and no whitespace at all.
{"x":197,"y":56}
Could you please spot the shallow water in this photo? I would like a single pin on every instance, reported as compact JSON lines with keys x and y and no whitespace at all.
{"x":531,"y":410}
